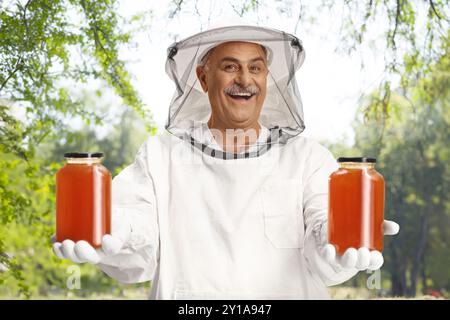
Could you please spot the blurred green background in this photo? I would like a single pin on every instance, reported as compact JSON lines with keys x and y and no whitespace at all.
{"x":64,"y":86}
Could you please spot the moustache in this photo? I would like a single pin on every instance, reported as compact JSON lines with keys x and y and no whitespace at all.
{"x":236,"y":89}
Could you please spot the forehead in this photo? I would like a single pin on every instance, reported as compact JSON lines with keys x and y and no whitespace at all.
{"x":238,"y":49}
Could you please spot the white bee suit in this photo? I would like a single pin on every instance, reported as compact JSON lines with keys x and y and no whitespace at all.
{"x":208,"y":228}
{"x":206,"y":224}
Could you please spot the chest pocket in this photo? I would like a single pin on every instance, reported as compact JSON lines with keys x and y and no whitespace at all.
{"x":283,"y":213}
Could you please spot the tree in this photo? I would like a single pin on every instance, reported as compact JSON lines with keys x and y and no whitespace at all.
{"x":50,"y":50}
{"x":408,"y":34}
{"x":47,"y":48}
{"x":26,"y":238}
{"x":411,"y":145}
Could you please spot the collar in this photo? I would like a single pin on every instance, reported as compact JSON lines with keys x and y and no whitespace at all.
{"x":201,"y":138}
{"x":203,"y":134}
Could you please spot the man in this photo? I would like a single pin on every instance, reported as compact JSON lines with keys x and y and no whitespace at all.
{"x":233,"y":204}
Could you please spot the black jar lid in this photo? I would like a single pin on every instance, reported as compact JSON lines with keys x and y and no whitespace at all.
{"x":83,"y":155}
{"x":357,"y":159}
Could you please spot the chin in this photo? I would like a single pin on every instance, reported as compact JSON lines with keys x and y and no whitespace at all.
{"x":239,"y":114}
{"x":240,"y":122}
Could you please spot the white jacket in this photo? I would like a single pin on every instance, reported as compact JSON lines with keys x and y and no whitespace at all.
{"x":207,"y":228}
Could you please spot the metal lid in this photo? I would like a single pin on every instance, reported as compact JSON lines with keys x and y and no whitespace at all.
{"x":357,"y":159}
{"x":83,"y":155}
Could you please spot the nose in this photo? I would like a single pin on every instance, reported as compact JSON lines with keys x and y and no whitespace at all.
{"x":244,"y":78}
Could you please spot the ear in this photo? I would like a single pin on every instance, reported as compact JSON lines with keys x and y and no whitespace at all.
{"x":201,"y":75}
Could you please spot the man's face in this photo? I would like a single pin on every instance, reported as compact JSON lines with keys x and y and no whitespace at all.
{"x":235,"y":78}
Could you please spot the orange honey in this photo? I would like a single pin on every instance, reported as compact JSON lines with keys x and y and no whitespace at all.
{"x":356,"y":205}
{"x":83,"y":199}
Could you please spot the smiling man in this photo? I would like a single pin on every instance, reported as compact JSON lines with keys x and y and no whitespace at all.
{"x":244,"y":216}
{"x":234,"y":74}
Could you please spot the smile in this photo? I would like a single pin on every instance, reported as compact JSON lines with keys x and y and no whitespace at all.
{"x":241,"y":96}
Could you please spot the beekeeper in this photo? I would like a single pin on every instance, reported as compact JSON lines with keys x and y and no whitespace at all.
{"x":233,"y":203}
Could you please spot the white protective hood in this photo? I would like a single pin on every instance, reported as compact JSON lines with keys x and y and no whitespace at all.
{"x":282,"y":110}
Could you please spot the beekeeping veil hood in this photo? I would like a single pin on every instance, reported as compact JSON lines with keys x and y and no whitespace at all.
{"x":282,"y":109}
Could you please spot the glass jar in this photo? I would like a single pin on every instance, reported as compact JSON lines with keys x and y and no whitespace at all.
{"x":83,"y":199}
{"x":356,"y":205}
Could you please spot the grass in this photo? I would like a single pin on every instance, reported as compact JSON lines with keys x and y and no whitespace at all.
{"x":340,"y":293}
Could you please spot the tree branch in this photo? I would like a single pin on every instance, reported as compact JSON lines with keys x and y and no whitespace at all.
{"x":197,"y":12}
{"x":177,"y":9}
{"x":19,"y":61}
{"x":235,"y":9}
{"x":26,"y":5}
{"x":397,"y":18}
{"x":434,"y":10}
{"x":299,"y":17}
{"x":16,"y":68}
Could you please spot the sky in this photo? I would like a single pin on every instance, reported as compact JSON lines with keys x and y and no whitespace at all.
{"x":330,"y":83}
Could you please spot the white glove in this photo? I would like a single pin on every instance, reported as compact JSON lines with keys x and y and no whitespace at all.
{"x":81,"y":251}
{"x":361,"y":258}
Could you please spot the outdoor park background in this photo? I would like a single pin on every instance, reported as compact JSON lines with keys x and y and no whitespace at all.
{"x":89,"y":75}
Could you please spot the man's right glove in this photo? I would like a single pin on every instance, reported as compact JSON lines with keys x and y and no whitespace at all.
{"x":81,"y":251}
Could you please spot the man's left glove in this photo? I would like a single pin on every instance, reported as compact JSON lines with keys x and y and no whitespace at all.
{"x":359,"y":258}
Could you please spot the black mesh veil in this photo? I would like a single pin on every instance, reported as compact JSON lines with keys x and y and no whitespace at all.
{"x":282,"y":109}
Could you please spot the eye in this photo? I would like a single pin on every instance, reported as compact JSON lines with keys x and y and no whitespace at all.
{"x":230,"y":67}
{"x":257,"y":68}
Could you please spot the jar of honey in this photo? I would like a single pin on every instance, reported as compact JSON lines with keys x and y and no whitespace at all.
{"x":83,"y":199}
{"x":356,"y":205}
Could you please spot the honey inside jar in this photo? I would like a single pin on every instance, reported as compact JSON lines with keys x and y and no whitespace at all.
{"x":83,"y":199}
{"x":356,"y":205}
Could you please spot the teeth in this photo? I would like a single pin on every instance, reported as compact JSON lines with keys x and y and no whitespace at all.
{"x":242,"y":94}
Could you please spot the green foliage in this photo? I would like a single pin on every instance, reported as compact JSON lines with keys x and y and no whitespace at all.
{"x":26,"y":249}
{"x":411,"y":145}
{"x":408,"y":130}
{"x":27,"y":199}
{"x":42,"y":274}
{"x":49,"y":50}
{"x":47,"y":43}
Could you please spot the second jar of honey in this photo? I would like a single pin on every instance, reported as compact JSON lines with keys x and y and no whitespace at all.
{"x":356,"y":205}
{"x":83,"y":199}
